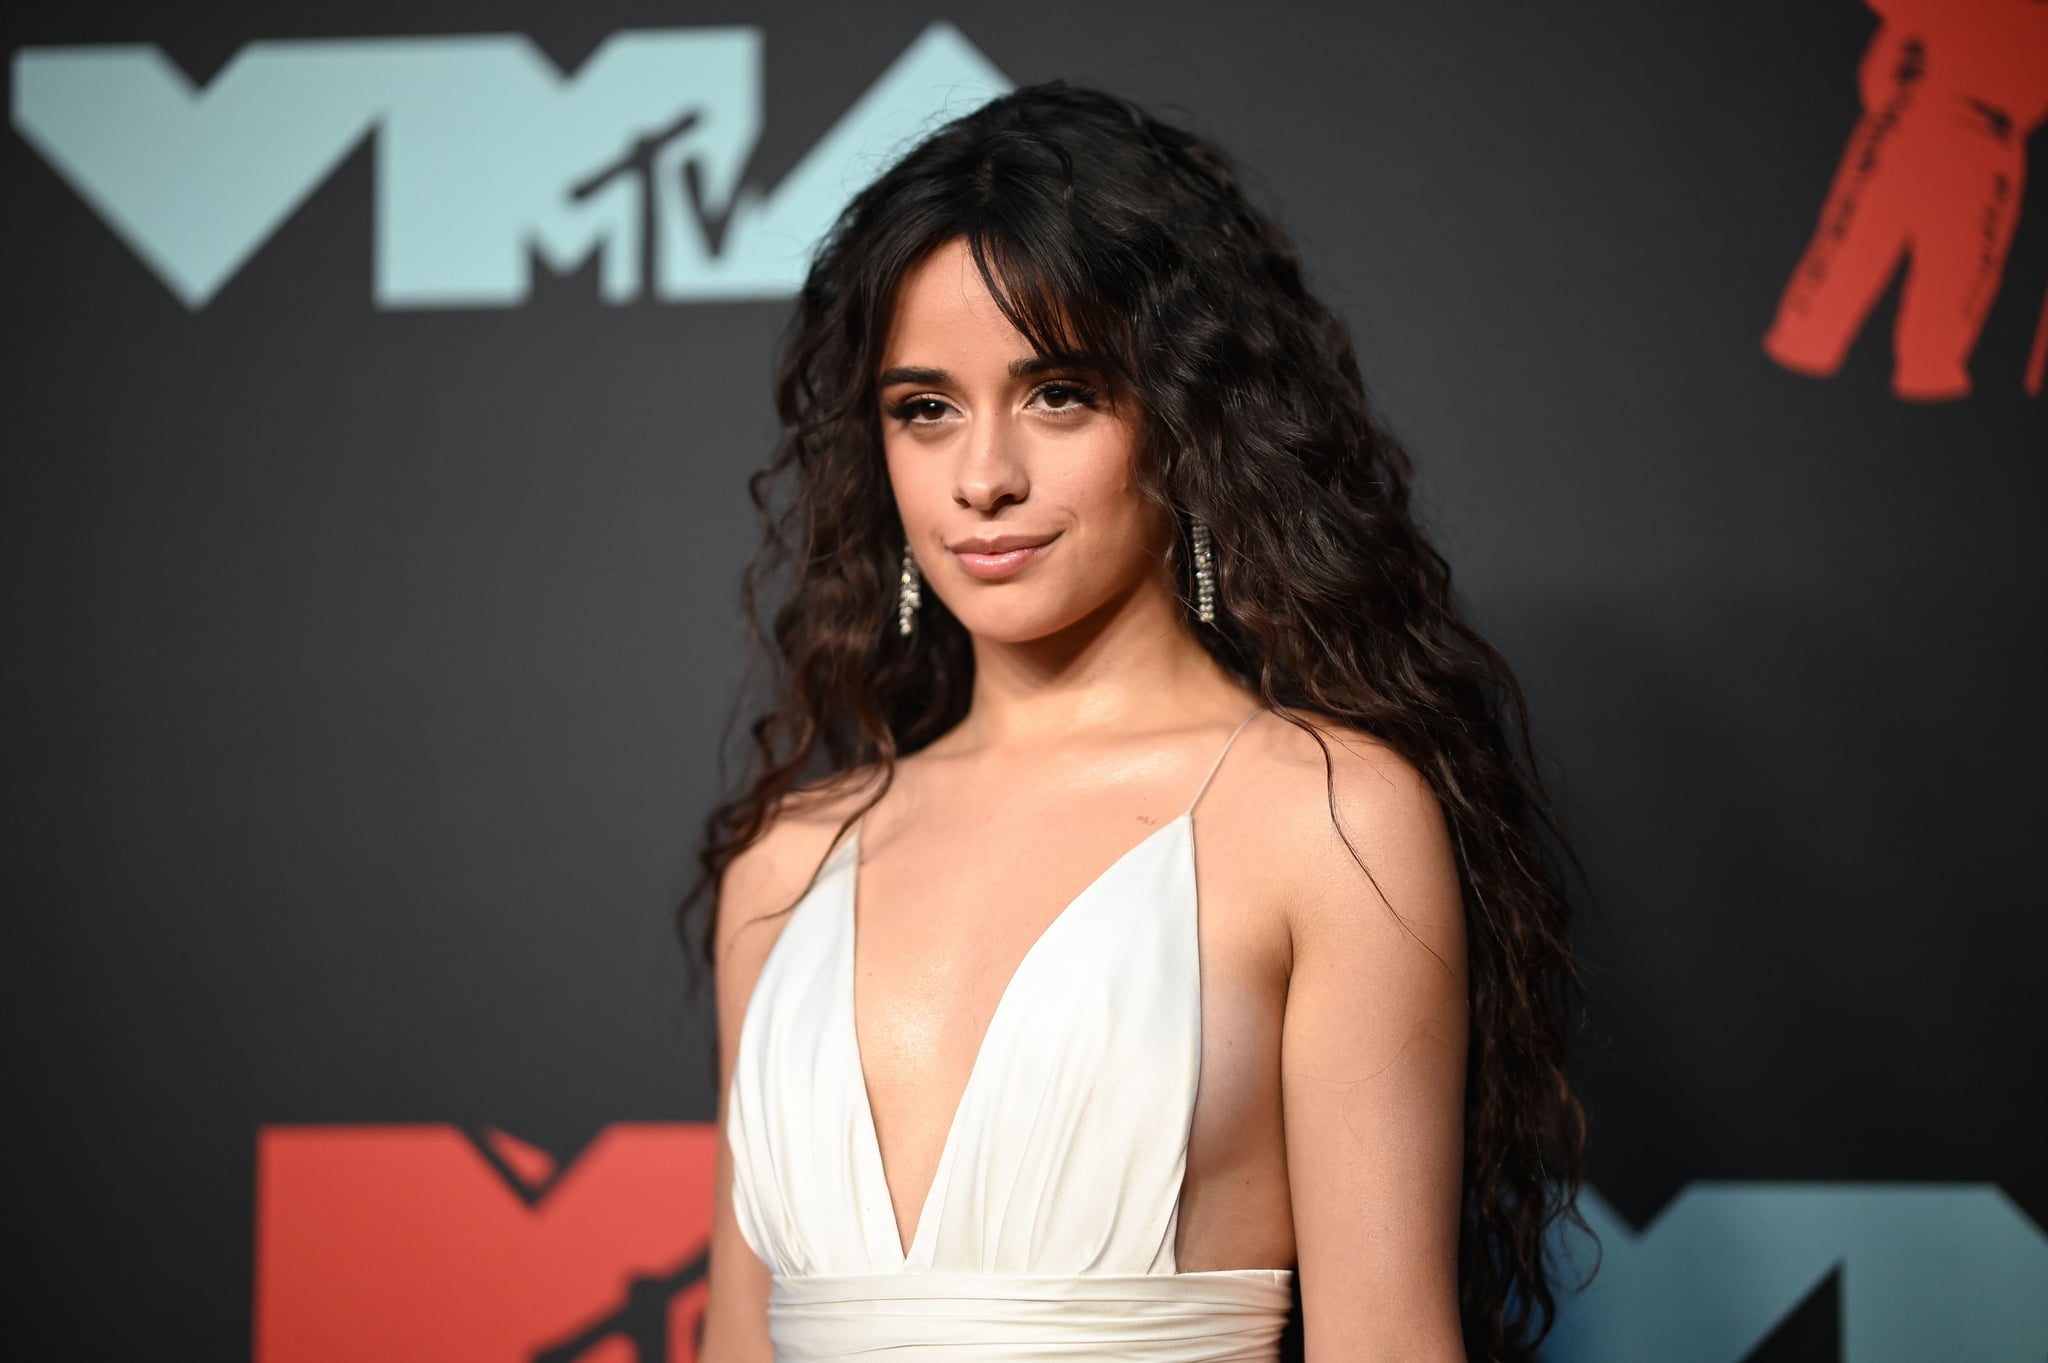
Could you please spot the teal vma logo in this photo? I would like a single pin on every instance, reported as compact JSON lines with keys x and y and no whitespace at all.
{"x":1923,"y":1272}
{"x":489,"y":159}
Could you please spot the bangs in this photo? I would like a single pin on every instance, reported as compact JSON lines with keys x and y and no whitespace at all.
{"x":1052,"y":297}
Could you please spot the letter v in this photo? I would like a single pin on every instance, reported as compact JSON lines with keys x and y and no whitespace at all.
{"x":194,"y":182}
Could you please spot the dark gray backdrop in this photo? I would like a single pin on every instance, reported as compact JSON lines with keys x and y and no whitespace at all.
{"x":364,"y":668}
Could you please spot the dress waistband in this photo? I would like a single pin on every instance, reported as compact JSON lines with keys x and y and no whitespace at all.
{"x":1219,"y":1316}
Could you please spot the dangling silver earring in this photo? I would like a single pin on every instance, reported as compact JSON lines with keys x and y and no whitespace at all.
{"x":1205,"y":572}
{"x":908,"y":594}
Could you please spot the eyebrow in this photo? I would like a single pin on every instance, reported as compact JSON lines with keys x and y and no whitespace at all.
{"x":1023,"y":368}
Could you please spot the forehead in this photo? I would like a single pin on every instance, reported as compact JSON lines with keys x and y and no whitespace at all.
{"x":944,"y":313}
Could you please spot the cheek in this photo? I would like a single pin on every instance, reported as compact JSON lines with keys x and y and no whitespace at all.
{"x":917,"y":483}
{"x":1104,"y":496}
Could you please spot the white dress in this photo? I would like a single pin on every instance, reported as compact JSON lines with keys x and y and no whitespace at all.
{"x":1048,"y":1232}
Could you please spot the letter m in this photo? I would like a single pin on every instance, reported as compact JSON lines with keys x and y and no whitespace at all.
{"x":404,"y":1242}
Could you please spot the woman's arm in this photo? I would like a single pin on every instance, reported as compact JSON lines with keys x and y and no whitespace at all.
{"x":756,"y":884}
{"x":1372,"y":1068}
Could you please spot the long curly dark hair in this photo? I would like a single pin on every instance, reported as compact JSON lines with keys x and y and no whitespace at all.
{"x":1103,"y":231}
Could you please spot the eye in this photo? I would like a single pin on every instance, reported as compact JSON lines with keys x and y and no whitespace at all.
{"x":1063,"y":396}
{"x":923,"y":410}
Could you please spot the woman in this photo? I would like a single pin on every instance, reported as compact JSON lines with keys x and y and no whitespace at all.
{"x":1078,"y":495}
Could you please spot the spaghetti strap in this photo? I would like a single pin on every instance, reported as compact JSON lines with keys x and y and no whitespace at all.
{"x":1219,"y":758}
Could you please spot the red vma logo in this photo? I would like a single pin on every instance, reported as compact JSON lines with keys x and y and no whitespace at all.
{"x":1932,"y":175}
{"x":398,"y":1243}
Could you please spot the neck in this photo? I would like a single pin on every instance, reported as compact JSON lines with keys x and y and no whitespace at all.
{"x":1133,"y":665}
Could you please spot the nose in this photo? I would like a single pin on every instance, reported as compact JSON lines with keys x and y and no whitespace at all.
{"x":990,"y":472}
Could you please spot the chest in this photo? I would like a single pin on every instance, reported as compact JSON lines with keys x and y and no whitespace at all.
{"x":940,"y":951}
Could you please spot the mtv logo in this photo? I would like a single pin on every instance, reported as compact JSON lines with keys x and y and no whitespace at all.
{"x":402,"y":1243}
{"x":488,"y":156}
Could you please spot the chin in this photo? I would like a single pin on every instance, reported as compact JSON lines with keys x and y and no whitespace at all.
{"x":1014,"y":626}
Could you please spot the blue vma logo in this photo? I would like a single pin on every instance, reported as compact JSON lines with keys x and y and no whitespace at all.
{"x":1923,"y":1272}
{"x":489,"y":158}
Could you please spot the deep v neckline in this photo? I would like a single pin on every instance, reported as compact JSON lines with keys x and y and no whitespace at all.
{"x":869,"y":1132}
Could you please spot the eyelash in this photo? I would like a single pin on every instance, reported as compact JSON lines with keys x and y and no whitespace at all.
{"x":1080,"y":394}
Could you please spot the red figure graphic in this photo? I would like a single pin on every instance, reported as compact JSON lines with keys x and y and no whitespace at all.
{"x":1951,"y":91}
{"x":403,"y":1242}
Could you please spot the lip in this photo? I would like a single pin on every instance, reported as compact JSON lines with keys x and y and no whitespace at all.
{"x":990,"y":557}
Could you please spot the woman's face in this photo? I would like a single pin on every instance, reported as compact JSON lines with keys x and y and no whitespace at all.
{"x":1016,"y":483}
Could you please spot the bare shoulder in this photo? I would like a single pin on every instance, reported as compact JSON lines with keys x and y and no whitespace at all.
{"x":1325,"y":808}
{"x":766,"y":878}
